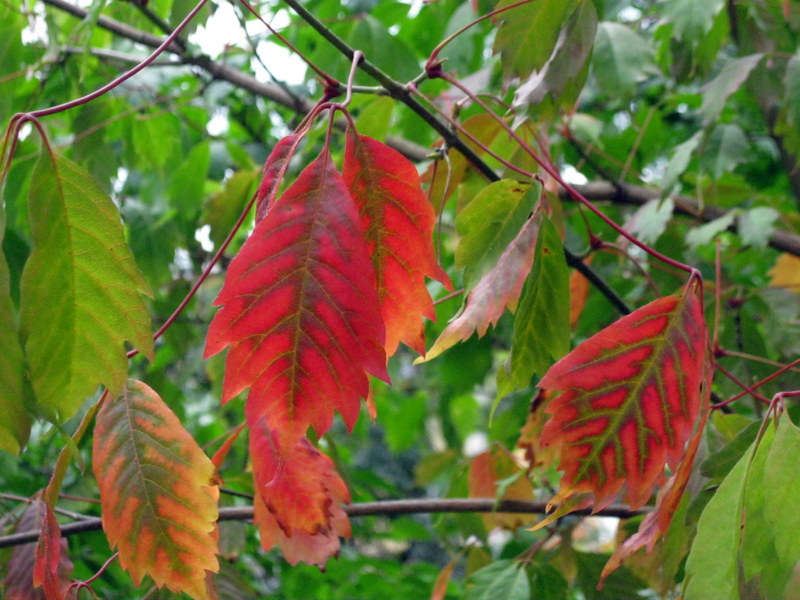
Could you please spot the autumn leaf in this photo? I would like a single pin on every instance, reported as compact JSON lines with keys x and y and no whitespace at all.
{"x":531,"y":433}
{"x":497,"y":474}
{"x":630,"y":397}
{"x":300,"y":311}
{"x":273,"y":172}
{"x":53,"y":570}
{"x":786,"y":272}
{"x":298,"y":499}
{"x":578,"y":293}
{"x":157,"y":492}
{"x":398,"y":224}
{"x":81,"y":290}
{"x":499,"y":288}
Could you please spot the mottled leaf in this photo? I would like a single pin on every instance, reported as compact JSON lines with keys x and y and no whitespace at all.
{"x":498,"y":289}
{"x":398,"y":227}
{"x":48,"y":569}
{"x":496,"y":474}
{"x":81,"y":290}
{"x":489,"y":223}
{"x":630,"y":398}
{"x":527,"y":34}
{"x":300,"y":311}
{"x":157,"y":491}
{"x":541,"y":325}
{"x":18,"y":582}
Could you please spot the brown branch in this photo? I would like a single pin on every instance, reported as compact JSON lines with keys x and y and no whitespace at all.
{"x":638,"y":195}
{"x":363,"y":509}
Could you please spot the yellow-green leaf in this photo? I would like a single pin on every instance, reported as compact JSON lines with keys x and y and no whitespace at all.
{"x":157,"y":493}
{"x":81,"y":290}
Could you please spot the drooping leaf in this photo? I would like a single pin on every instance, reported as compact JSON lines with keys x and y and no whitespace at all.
{"x":81,"y":290}
{"x":527,"y":34}
{"x":300,"y":311}
{"x":273,"y":172}
{"x":16,"y":423}
{"x":719,"y":89}
{"x":680,"y":161}
{"x":726,"y":147}
{"x":498,"y":289}
{"x":157,"y":491}
{"x":300,"y":494}
{"x":18,"y":582}
{"x":48,"y":572}
{"x":489,"y":223}
{"x":621,"y":59}
{"x":541,"y":326}
{"x":398,"y":224}
{"x":630,"y":397}
{"x":501,"y":579}
{"x":496,"y":474}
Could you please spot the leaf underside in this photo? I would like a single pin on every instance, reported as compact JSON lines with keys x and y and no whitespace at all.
{"x":300,"y":311}
{"x":157,"y":493}
{"x":631,"y":395}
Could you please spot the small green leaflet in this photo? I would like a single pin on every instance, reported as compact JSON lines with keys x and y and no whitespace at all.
{"x":81,"y":290}
{"x":541,"y":326}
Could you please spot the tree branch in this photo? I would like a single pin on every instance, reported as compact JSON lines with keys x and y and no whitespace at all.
{"x":363,"y":509}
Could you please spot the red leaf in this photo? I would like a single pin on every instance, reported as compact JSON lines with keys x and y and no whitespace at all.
{"x":24,"y":563}
{"x":297,"y":499}
{"x":300,"y":311}
{"x":398,"y":223}
{"x":632,"y":394}
{"x":273,"y":173}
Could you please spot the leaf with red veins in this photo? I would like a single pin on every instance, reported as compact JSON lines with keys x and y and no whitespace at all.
{"x":498,"y":288}
{"x":398,"y":223}
{"x":300,"y":311}
{"x":298,"y":487}
{"x":54,"y":566}
{"x":273,"y":173}
{"x":631,"y":396}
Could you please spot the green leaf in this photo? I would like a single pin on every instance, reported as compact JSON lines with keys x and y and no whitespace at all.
{"x":12,"y":22}
{"x":719,"y":464}
{"x":391,"y":53}
{"x":706,"y":233}
{"x":651,"y":220}
{"x":791,"y":86}
{"x":541,"y":326}
{"x":547,"y":582}
{"x":224,"y":208}
{"x":726,"y":148}
{"x":712,"y":568}
{"x":756,"y":225}
{"x":15,"y":424}
{"x":489,"y":223}
{"x":622,"y":58}
{"x":691,"y":19}
{"x":502,"y":579}
{"x":730,"y":79}
{"x":528,"y":34}
{"x":375,"y":118}
{"x":187,"y":187}
{"x":81,"y":290}
{"x":680,"y":161}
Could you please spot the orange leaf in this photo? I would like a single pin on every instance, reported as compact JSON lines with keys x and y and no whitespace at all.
{"x":300,"y":311}
{"x":498,"y":288}
{"x":632,"y":394}
{"x":398,"y":224}
{"x":578,"y":294}
{"x":786,"y":273}
{"x":159,"y":507}
{"x":491,"y":467}
{"x":297,"y":501}
{"x":53,"y":567}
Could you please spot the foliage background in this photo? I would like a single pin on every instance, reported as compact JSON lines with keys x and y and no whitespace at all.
{"x":695,"y":99}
